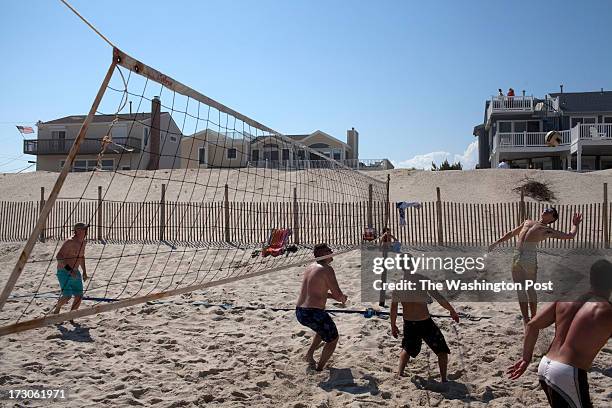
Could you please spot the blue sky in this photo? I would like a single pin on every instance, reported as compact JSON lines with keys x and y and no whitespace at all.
{"x":411,"y":76}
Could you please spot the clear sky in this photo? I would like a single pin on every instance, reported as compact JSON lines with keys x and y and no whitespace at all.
{"x":411,"y":76}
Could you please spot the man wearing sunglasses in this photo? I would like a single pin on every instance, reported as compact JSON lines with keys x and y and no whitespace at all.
{"x":524,"y":262}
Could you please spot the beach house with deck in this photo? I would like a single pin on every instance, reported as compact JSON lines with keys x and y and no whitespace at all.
{"x":514,"y":130}
{"x":136,"y":141}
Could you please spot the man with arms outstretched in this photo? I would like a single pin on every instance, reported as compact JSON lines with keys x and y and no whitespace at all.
{"x":318,"y":285}
{"x":525,"y":260}
{"x":418,"y":324}
{"x":70,"y":256}
{"x":582,"y":328}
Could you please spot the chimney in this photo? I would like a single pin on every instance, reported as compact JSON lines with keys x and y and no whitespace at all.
{"x":561,"y":86}
{"x":154,"y":138}
{"x":352,"y":139}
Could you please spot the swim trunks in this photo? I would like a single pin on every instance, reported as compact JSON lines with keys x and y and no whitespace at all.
{"x":319,"y":321}
{"x":417,"y":331}
{"x":70,"y":285}
{"x":564,"y":385}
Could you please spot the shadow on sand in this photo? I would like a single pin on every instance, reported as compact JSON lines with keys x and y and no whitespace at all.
{"x":451,"y":389}
{"x":78,"y":333}
{"x":342,"y":379}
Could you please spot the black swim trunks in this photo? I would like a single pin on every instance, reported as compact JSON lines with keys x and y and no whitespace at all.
{"x":417,"y":331}
{"x":319,"y":321}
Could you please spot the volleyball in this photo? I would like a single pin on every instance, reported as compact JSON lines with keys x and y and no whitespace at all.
{"x":553,"y":138}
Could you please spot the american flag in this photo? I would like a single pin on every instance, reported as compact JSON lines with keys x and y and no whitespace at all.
{"x":24,"y":130}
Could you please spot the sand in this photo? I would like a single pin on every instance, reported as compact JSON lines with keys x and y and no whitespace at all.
{"x":485,"y":186}
{"x":186,"y":351}
{"x":181,"y":351}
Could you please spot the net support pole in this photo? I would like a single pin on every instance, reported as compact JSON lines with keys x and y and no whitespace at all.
{"x":296,"y":218}
{"x":369,"y":206}
{"x":162,"y":214}
{"x":42,"y":205}
{"x":439,"y":216}
{"x":387,"y":202}
{"x":522,"y":209}
{"x":40,"y":223}
{"x":226,"y":215}
{"x":99,"y":213}
{"x":606,"y":217}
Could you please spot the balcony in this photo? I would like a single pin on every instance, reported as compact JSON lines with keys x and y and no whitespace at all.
{"x":592,"y":132}
{"x":88,"y":146}
{"x":520,"y":104}
{"x":597,"y":133}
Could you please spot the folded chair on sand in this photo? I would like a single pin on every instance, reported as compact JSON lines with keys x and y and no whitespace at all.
{"x":277,"y":243}
{"x":369,"y":234}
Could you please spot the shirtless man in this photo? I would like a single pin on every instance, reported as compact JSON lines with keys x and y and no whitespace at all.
{"x":418,"y":325}
{"x":318,"y":285}
{"x":70,"y":256}
{"x":387,"y":239}
{"x":582,"y":328}
{"x":525,"y":262}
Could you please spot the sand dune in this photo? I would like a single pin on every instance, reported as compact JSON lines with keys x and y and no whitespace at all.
{"x":489,"y":186}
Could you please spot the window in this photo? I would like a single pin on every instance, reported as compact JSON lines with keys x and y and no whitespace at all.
{"x":231,"y":153}
{"x":337,"y":155}
{"x":504,"y":127}
{"x":271,"y":155}
{"x":585,"y":119}
{"x":607,"y":119}
{"x":255,"y":155}
{"x":202,"y":155}
{"x":533,"y":126}
{"x":106,"y":164}
{"x":79,"y":165}
{"x":285,"y":154}
{"x":119,"y":131}
{"x":90,"y":165}
{"x":58,"y":134}
{"x":173,"y":138}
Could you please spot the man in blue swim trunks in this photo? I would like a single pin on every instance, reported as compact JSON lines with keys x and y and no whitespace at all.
{"x":70,"y":256}
{"x":318,"y":285}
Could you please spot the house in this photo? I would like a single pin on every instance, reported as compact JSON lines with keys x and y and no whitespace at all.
{"x":514,"y":130}
{"x":233,"y":149}
{"x":137,"y":143}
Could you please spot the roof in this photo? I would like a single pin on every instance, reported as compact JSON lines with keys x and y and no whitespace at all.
{"x":585,"y":101}
{"x":78,"y":119}
{"x":478,"y":129}
{"x":297,"y":137}
{"x":300,"y":138}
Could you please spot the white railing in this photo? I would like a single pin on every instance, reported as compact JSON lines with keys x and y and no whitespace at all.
{"x":596,"y":131}
{"x":512,"y":103}
{"x":361,"y":164}
{"x":527,"y":139}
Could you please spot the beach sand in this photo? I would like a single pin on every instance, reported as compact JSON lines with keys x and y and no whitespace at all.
{"x":188,"y":351}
